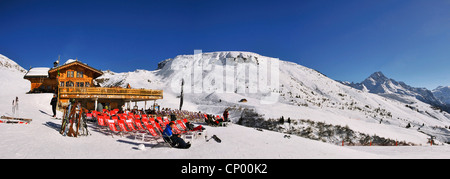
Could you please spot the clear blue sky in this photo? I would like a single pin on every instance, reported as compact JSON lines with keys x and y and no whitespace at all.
{"x":408,"y":40}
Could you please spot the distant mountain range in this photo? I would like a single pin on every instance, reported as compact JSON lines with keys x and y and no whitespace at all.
{"x":378,"y":83}
{"x":443,"y":94}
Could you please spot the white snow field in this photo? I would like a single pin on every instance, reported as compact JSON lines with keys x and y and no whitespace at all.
{"x":41,"y":139}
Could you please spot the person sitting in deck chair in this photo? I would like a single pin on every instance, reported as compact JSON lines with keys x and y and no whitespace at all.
{"x":191,"y":127}
{"x":211,"y":120}
{"x":174,"y":139}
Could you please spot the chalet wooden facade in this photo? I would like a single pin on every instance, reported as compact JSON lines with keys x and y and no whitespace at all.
{"x":74,"y":74}
{"x":40,"y":81}
{"x":75,"y":80}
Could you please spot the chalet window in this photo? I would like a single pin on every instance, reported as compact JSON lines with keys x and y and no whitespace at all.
{"x":69,"y":84}
{"x":69,"y":74}
{"x":79,"y":74}
{"x":87,"y":84}
{"x":80,"y":84}
{"x":61,"y":84}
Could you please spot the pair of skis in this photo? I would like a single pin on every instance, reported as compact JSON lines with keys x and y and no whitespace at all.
{"x":15,"y":120}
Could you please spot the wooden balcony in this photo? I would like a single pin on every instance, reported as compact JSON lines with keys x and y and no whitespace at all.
{"x":110,"y":93}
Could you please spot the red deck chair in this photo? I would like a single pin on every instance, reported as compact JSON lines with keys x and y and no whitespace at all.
{"x":155,"y":134}
{"x":122,"y":127}
{"x":144,"y":120}
{"x":152,"y":131}
{"x":166,"y":120}
{"x":182,"y":125}
{"x":137,"y":116}
{"x":115,"y":118}
{"x":154,"y":123}
{"x":101,"y":121}
{"x":129,"y":122}
{"x":139,"y":125}
{"x":184,"y":130}
{"x":176,"y":129}
{"x":89,"y":116}
{"x":161,"y":122}
{"x":140,"y":128}
{"x":94,"y":114}
{"x":112,"y":113}
{"x":112,"y":127}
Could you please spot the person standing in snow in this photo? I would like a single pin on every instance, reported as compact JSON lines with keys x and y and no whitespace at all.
{"x":53,"y":102}
{"x":15,"y":106}
{"x":225,"y":115}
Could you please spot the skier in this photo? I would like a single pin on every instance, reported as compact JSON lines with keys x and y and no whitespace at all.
{"x":53,"y":102}
{"x":175,"y":139}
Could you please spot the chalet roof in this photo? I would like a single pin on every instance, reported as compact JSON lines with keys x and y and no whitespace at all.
{"x":71,"y":62}
{"x":37,"y":72}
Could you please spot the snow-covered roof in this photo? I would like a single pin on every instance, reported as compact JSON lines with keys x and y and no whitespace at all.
{"x":38,"y":72}
{"x":70,"y":61}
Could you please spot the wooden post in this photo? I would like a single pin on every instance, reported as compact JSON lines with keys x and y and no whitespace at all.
{"x":96,"y":101}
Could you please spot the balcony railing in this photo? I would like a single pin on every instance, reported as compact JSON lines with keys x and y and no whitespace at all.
{"x":118,"y":93}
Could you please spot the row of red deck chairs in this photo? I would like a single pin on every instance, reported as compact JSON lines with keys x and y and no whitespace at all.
{"x":120,"y":124}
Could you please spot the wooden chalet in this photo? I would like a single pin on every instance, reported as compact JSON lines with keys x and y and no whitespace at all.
{"x":75,"y":80}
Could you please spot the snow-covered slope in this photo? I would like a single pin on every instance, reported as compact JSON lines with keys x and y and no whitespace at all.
{"x":216,"y":81}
